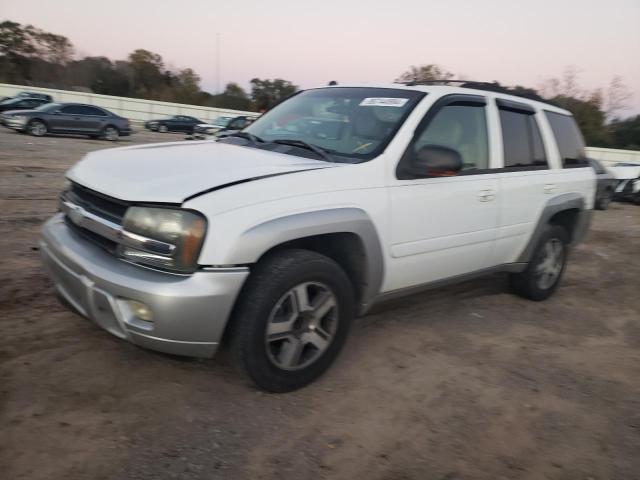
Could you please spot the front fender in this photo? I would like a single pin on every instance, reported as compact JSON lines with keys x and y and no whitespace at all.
{"x":260,"y":238}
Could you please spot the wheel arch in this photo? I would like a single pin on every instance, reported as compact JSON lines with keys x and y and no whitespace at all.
{"x":346,"y":235}
{"x":567,"y":210}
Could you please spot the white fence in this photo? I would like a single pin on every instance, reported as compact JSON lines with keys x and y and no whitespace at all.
{"x":134,"y":109}
{"x":609,"y":156}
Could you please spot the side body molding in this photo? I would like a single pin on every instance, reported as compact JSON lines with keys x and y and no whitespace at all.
{"x":566,"y":201}
{"x":261,"y":238}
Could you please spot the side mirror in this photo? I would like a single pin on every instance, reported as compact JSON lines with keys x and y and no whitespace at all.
{"x":435,"y":161}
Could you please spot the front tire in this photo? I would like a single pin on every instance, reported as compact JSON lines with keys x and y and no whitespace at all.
{"x":37,"y":128}
{"x":163,"y":129}
{"x":292,"y":319}
{"x":542,"y":276}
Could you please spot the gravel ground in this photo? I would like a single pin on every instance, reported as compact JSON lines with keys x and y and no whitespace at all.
{"x":460,"y":383}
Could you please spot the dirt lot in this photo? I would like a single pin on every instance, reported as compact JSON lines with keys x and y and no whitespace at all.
{"x":462,"y":383}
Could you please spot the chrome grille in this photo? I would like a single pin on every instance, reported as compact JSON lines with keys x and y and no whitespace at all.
{"x":97,"y":203}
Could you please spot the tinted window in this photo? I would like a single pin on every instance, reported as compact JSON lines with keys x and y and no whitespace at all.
{"x":461,"y":127}
{"x":521,"y":140}
{"x":72,"y":110}
{"x":569,"y":140}
{"x":92,"y":111}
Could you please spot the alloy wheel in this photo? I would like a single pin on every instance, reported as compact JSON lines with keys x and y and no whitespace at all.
{"x":111,"y":134}
{"x":37,"y":128}
{"x":301,"y":326}
{"x":550,"y":266}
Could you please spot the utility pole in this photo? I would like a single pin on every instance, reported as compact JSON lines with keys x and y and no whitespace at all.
{"x":218,"y":63}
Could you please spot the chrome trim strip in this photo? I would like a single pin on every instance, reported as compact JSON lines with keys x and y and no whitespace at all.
{"x":147,"y":244}
{"x":113,"y":231}
{"x":214,"y":268}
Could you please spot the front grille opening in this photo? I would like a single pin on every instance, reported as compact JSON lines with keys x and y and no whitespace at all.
{"x":97,"y":203}
{"x":108,"y":245}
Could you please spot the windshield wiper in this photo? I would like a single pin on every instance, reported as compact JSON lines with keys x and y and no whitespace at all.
{"x":321,"y":152}
{"x":249,"y":136}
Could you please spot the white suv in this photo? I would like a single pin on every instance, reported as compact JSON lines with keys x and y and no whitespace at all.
{"x":334,"y":200}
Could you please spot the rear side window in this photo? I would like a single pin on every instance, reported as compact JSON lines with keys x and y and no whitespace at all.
{"x":569,"y":140}
{"x":523,"y":148}
{"x":86,"y":110}
{"x":72,"y":110}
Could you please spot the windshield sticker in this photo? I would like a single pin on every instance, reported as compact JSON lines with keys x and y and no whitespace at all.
{"x":383,"y":102}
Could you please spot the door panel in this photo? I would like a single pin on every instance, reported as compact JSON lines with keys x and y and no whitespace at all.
{"x":442,"y":227}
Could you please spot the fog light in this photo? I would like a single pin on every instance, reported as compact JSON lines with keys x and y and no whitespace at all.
{"x":140,"y":310}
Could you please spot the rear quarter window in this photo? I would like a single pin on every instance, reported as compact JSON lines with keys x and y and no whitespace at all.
{"x":569,"y":140}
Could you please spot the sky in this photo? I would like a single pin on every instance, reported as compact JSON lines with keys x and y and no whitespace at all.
{"x":311,"y":42}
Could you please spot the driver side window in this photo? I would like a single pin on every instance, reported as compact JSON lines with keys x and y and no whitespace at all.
{"x":462,"y":128}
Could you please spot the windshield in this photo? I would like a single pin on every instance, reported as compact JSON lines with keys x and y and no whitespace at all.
{"x":346,"y":121}
{"x":47,"y":107}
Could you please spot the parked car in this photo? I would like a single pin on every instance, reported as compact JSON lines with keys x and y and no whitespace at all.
{"x":274,"y":238}
{"x":176,"y":123}
{"x":42,"y":96}
{"x":605,"y":185}
{"x":21,"y":103}
{"x":69,"y":118}
{"x":204,"y":130}
{"x":628,"y":177}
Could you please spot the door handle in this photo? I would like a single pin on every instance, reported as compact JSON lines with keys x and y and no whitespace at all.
{"x":486,"y":195}
{"x":550,"y":188}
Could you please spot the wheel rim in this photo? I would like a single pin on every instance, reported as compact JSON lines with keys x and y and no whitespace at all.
{"x":301,"y":326}
{"x":110,"y":133}
{"x":550,"y":266}
{"x":162,"y":128}
{"x":38,"y":129}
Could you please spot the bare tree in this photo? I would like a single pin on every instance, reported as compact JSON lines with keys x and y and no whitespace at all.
{"x":424,"y":73}
{"x":617,"y":97}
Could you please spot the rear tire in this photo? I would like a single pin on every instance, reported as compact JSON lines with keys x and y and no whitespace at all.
{"x":292,"y":319}
{"x":604,"y":201}
{"x":37,"y":128}
{"x":543,"y":274}
{"x":110,"y":133}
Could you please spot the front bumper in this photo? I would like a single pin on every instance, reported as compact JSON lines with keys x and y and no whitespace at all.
{"x":190,"y":312}
{"x":16,"y":124}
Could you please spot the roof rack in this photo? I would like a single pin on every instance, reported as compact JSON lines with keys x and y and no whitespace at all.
{"x":517,"y":91}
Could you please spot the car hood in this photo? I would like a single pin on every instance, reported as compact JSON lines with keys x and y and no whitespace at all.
{"x":174,"y":172}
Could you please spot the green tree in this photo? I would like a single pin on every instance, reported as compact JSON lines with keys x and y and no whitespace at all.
{"x":147,"y":74}
{"x":626,"y":133}
{"x":233,"y":97}
{"x":186,"y":86}
{"x":267,"y":93}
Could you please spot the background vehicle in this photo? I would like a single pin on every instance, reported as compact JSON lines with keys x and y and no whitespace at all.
{"x":21,"y":103}
{"x":605,"y":185}
{"x":628,"y":177}
{"x":232,"y":125}
{"x":277,"y":236}
{"x":70,"y":118}
{"x":177,"y":123}
{"x":42,"y":96}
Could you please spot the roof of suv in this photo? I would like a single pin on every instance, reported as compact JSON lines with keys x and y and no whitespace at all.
{"x":450,"y":89}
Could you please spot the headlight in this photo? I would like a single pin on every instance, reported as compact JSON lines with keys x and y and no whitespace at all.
{"x":18,"y":118}
{"x":166,"y":238}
